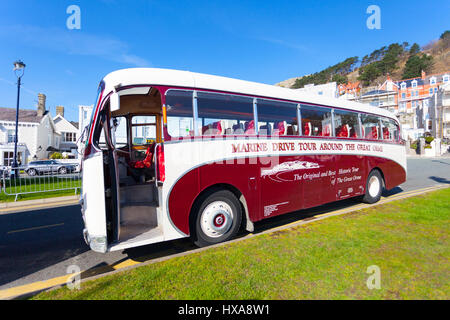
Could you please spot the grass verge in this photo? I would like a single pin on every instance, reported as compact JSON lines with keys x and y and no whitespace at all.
{"x":38,"y":187}
{"x":407,"y":239}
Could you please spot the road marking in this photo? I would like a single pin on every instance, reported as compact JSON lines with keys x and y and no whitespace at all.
{"x":37,"y":206}
{"x":35,"y":286}
{"x":36,"y":228}
{"x":47,"y":284}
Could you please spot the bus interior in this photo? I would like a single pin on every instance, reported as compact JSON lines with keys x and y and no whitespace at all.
{"x":128,"y":139}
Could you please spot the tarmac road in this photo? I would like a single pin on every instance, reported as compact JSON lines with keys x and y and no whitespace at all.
{"x":41,"y":244}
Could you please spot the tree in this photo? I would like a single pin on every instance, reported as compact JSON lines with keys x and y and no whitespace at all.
{"x":445,"y":40}
{"x":415,"y":49}
{"x":338,"y":78}
{"x":416,"y":64}
{"x":369,"y":73}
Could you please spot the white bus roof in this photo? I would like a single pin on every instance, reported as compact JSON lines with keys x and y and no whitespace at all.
{"x":178,"y":78}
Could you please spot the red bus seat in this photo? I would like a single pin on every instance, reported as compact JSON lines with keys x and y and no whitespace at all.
{"x":146,"y":162}
{"x":326,"y":131}
{"x":250,"y":127}
{"x":279,"y":129}
{"x":344,"y":132}
{"x":307,"y":129}
{"x":386,"y":133}
{"x":373,"y":134}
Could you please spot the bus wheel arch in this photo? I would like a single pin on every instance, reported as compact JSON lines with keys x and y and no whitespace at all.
{"x":204,"y":195}
{"x":375,"y":183}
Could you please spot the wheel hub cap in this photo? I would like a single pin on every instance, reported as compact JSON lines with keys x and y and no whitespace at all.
{"x":216,"y":219}
{"x":374,"y":186}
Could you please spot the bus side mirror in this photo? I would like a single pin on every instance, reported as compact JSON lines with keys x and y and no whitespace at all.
{"x":114,"y":102}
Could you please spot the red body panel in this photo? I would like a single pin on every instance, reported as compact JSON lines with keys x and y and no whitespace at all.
{"x":271,"y":193}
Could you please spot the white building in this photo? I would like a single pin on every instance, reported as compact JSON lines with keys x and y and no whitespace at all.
{"x":69,"y":133}
{"x":327,"y":90}
{"x":439,"y":111}
{"x":37,"y":134}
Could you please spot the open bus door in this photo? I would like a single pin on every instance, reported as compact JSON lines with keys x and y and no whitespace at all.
{"x":100,"y":196}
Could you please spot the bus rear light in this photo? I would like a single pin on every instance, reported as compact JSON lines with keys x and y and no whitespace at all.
{"x":160,"y":164}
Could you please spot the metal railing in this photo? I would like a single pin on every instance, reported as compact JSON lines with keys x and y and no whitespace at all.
{"x":48,"y":178}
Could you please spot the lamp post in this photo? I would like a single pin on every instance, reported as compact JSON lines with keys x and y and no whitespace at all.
{"x":19,"y":70}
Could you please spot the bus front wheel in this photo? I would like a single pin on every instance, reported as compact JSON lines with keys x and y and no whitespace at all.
{"x":374,"y":187}
{"x":218,"y":218}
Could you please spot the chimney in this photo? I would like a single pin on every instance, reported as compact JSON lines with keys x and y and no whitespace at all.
{"x":423,"y":75}
{"x":41,"y":105}
{"x":60,"y":110}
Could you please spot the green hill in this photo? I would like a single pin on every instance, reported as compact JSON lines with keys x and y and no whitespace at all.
{"x":401,"y":61}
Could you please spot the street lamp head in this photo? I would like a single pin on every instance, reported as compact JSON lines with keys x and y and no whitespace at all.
{"x":19,"y":66}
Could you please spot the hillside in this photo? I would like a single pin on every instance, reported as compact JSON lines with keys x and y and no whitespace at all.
{"x":401,"y":61}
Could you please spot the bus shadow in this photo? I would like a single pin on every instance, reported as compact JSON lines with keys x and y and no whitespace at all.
{"x":165,"y":249}
{"x":440,"y":180}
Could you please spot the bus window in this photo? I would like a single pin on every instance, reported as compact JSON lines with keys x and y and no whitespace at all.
{"x":316,"y":121}
{"x":119,"y":125}
{"x":277,"y":118}
{"x":180,"y":122}
{"x":143,"y":130}
{"x":224,"y":114}
{"x":370,"y":126}
{"x":390,"y":129}
{"x":346,"y":124}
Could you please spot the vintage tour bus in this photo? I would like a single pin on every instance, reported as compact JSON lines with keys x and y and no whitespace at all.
{"x":171,"y":154}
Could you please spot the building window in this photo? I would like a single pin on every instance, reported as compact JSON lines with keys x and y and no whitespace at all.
{"x":11,"y":136}
{"x":431,"y":91}
{"x":403,"y":95}
{"x":68,"y":137}
{"x":435,"y":90}
{"x":8,"y":158}
{"x":433,"y":80}
{"x":414,"y":84}
{"x":445,"y":78}
{"x":403,"y":86}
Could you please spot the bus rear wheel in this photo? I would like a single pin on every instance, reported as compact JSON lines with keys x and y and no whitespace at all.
{"x":218,"y":218}
{"x":374,"y":187}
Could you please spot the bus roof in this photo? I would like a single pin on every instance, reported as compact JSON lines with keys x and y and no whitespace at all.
{"x":178,"y":78}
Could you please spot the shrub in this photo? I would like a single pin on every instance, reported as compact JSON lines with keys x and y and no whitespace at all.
{"x":56,"y":155}
{"x":428,"y":140}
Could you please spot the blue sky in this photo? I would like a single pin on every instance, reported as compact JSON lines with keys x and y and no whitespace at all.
{"x":263,"y":41}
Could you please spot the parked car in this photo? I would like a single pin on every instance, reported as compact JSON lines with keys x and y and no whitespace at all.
{"x":49,"y":166}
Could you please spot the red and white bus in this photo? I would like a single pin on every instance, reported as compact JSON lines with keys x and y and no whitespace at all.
{"x":171,"y":154}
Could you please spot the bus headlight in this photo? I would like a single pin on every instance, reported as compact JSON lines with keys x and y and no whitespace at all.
{"x":98,"y":244}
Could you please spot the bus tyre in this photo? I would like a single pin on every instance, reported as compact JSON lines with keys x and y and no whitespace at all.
{"x":374,"y":187}
{"x":218,"y":218}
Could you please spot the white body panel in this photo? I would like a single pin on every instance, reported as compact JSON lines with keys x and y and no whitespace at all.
{"x":93,"y":193}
